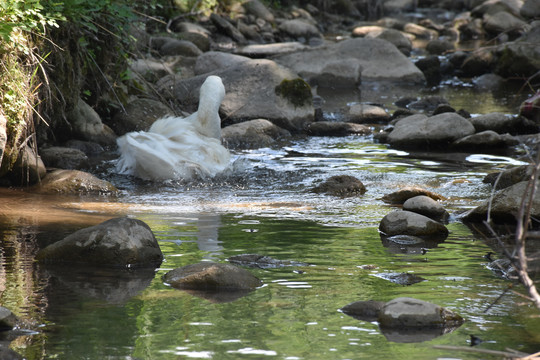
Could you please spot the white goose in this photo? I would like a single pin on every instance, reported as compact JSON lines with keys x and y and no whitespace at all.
{"x":179,"y":148}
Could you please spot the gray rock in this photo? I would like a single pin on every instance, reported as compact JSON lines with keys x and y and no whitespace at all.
{"x":419,"y":131}
{"x":335,"y":128}
{"x":87,"y":125}
{"x":344,"y":73}
{"x":64,"y":158}
{"x":216,"y":60}
{"x":503,"y":22}
{"x":488,"y":82}
{"x":488,"y":141}
{"x":519,"y":58}
{"x":420,"y":31}
{"x":478,"y":62}
{"x":424,"y":205}
{"x":439,"y":47}
{"x":87,"y":147}
{"x":151,"y":69}
{"x":403,"y":222}
{"x":209,"y":276}
{"x":119,"y":242}
{"x":8,"y":320}
{"x":226,"y":28}
{"x":367,"y":114}
{"x":530,"y":9}
{"x":28,"y":168}
{"x":396,"y":37}
{"x":509,"y":177}
{"x":250,"y":94}
{"x":258,"y":9}
{"x":504,"y":206}
{"x":407,"y":312}
{"x":299,"y":29}
{"x":252,"y":134}
{"x":74,"y":182}
{"x":491,"y":7}
{"x":399,"y":197}
{"x":364,"y":310}
{"x":502,"y":124}
{"x":139,"y":115}
{"x":379,"y":59}
{"x":173,"y":47}
{"x":201,"y":41}
{"x":341,"y":185}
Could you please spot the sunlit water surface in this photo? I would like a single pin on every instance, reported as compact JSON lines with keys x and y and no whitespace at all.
{"x":264,"y":205}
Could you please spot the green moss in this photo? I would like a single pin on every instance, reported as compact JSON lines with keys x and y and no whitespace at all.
{"x":296,"y":91}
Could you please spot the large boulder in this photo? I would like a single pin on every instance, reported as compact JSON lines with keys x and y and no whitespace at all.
{"x":254,"y":89}
{"x":74,"y":182}
{"x":209,"y":276}
{"x":404,"y":222}
{"x":502,"y":124}
{"x":119,"y":242}
{"x":252,"y":134}
{"x":380,"y":60}
{"x":420,"y":131}
{"x":519,"y":58}
{"x":504,"y":207}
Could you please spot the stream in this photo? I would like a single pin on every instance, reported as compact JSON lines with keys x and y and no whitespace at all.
{"x":264,"y":206}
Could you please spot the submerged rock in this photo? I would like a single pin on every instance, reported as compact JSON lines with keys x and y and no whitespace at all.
{"x":119,"y":242}
{"x":209,"y":276}
{"x":341,"y":185}
{"x":262,"y":261}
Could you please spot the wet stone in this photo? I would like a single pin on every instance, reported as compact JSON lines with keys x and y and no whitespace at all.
{"x":341,"y":185}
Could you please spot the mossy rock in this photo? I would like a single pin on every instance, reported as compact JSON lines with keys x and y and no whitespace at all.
{"x":296,"y":91}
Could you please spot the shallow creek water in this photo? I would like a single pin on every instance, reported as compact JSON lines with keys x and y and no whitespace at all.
{"x":264,"y":206}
